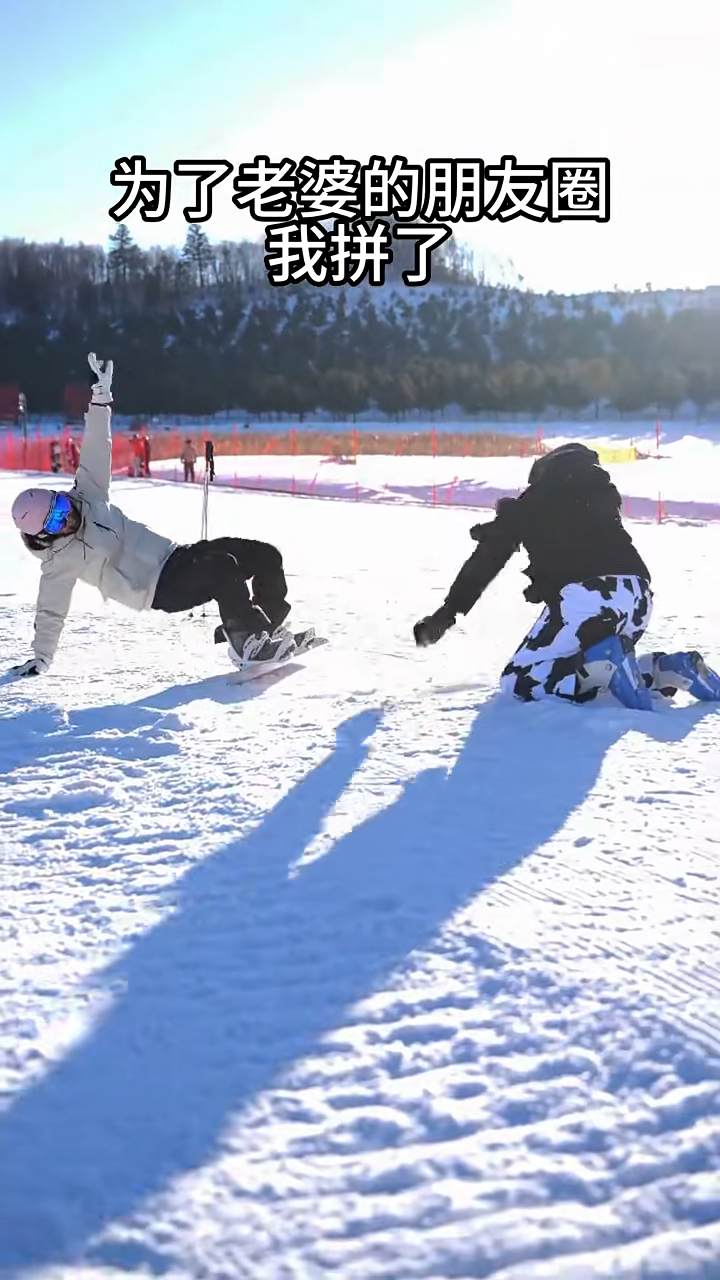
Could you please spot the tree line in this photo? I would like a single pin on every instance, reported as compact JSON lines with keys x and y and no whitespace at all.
{"x":199,"y":329}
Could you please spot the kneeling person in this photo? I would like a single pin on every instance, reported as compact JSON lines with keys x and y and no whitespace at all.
{"x":592,"y":581}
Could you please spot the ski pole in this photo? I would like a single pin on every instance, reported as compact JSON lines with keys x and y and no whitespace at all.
{"x":206,"y":494}
{"x":209,"y":475}
{"x":204,"y":521}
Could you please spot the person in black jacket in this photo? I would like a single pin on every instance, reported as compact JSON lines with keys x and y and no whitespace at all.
{"x":595,"y":586}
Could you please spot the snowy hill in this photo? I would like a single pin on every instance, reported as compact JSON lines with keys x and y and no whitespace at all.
{"x":359,"y":970}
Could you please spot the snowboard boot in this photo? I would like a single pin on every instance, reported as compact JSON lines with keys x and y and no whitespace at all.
{"x":612,"y":665}
{"x":668,"y":672}
{"x":304,"y":639}
{"x":301,"y":639}
{"x":253,"y":639}
{"x":260,"y":647}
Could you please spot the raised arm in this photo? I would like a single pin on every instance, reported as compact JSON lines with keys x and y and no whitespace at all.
{"x":95,"y":466}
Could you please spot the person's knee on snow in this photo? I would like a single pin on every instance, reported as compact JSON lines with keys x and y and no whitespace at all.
{"x":562,"y":676}
{"x":582,"y":643}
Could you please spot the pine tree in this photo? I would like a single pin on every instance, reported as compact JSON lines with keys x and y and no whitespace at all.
{"x":124,"y":256}
{"x":198,"y":255}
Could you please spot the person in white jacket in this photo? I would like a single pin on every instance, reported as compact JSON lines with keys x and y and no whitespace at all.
{"x":80,"y":534}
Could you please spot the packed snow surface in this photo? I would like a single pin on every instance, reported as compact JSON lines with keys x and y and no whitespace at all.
{"x":359,"y":970}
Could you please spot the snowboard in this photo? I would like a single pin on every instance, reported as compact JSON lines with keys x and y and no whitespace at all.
{"x":253,"y":670}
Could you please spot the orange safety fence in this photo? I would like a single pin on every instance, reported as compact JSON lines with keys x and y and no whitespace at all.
{"x":57,"y":454}
{"x":133,"y":454}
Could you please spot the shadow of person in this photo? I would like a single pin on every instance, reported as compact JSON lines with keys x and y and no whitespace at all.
{"x":258,"y":962}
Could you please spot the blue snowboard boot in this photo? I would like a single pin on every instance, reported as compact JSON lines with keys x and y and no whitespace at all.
{"x":613,"y":666}
{"x":686,"y":671}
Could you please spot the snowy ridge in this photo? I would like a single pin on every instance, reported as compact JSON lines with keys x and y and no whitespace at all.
{"x":358,"y":971}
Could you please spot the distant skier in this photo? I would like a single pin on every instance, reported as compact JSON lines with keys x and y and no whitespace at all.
{"x":188,"y":457}
{"x":79,"y":534}
{"x":137,"y":456}
{"x":147,"y":452}
{"x":592,"y":581}
{"x":73,"y":454}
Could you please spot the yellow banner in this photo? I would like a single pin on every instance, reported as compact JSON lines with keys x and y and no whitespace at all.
{"x":627,"y":454}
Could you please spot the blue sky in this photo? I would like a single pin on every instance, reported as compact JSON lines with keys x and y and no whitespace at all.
{"x":630,"y":79}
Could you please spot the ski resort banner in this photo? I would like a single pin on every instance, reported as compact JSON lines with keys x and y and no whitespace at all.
{"x":607,"y":455}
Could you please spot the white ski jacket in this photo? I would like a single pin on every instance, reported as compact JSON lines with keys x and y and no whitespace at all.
{"x":121,"y":557}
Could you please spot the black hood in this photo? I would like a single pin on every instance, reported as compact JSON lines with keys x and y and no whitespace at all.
{"x":564,"y":463}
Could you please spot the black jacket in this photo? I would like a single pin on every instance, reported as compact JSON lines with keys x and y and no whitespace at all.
{"x":569,"y":524}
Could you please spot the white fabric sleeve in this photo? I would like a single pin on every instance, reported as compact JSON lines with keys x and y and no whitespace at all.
{"x":53,"y":604}
{"x":95,"y":467}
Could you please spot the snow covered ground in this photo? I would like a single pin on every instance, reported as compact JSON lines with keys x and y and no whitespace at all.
{"x":686,"y":478}
{"x":360,"y":970}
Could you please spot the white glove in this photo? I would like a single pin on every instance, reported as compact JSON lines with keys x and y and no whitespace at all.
{"x":101,"y":393}
{"x":34,"y":667}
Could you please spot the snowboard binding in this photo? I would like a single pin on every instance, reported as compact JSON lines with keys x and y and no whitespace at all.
{"x":303,"y":639}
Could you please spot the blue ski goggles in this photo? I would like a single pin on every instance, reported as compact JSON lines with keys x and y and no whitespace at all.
{"x":57,"y":516}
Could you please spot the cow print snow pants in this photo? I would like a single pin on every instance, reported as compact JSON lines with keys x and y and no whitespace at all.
{"x":548,"y":659}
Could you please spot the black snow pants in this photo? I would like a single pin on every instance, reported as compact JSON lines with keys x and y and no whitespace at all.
{"x":219,"y":569}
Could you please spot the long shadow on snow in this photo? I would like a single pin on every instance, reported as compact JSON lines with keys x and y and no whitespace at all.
{"x":255,"y":965}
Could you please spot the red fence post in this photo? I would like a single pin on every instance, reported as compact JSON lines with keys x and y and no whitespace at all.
{"x":659,"y":509}
{"x":434,"y":454}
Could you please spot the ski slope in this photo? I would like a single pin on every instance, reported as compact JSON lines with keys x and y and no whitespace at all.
{"x":358,"y":970}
